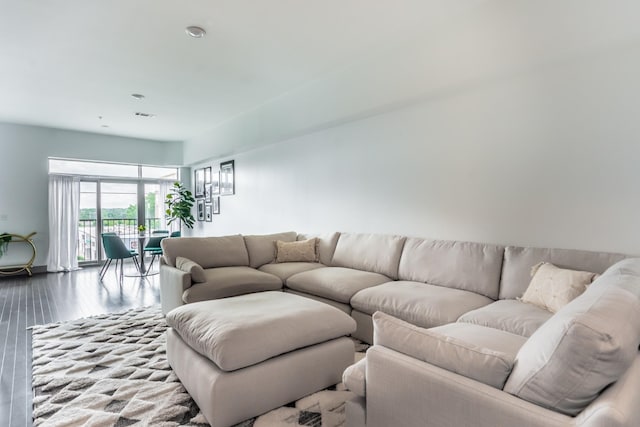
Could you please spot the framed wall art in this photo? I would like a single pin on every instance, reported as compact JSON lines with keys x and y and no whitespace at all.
{"x":216,"y":205}
{"x":200,"y":209}
{"x":199,"y":183}
{"x":227,"y":179}
{"x":215,"y":183}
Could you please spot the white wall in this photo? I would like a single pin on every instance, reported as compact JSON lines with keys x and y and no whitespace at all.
{"x":547,"y":156}
{"x":23,"y":172}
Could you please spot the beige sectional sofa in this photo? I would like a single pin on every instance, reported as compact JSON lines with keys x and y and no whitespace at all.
{"x":465,"y":291}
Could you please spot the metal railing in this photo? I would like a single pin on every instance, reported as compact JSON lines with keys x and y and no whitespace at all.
{"x":89,"y":237}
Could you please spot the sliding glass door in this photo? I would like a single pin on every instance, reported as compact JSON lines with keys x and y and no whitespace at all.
{"x":110,"y":206}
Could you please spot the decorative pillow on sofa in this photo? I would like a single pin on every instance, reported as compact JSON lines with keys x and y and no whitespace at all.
{"x":196,"y":271}
{"x":300,"y":251}
{"x":552,"y":288}
{"x":485,"y":365}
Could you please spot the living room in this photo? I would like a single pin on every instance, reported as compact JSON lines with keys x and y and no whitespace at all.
{"x":508,"y":123}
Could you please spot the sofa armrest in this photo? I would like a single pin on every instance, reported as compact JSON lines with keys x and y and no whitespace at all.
{"x":173,"y":283}
{"x":618,"y":405}
{"x":403,"y":391}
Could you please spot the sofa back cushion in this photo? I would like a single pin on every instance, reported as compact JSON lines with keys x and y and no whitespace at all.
{"x":467,"y":266}
{"x":377,"y":253}
{"x":326,"y":245}
{"x":224,"y":251}
{"x":262,"y":248}
{"x":516,"y":269}
{"x":587,"y":345}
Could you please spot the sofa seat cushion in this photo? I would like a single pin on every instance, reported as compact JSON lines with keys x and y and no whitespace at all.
{"x":457,"y":349}
{"x":225,"y":282}
{"x":586,"y":346}
{"x":354,"y":377}
{"x":335,"y":283}
{"x":418,"y":303}
{"x":508,"y":315}
{"x":287,"y":269}
{"x":242,"y":331}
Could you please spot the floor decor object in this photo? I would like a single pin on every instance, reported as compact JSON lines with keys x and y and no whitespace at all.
{"x":111,"y":370}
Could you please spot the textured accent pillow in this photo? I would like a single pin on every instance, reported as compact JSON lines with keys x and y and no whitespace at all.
{"x":300,"y":251}
{"x":196,"y":271}
{"x":485,"y":365}
{"x":551,"y":287}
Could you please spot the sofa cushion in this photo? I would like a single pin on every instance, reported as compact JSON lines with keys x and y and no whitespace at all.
{"x":194,"y":269}
{"x":335,"y":283}
{"x":446,"y":350}
{"x":225,"y":251}
{"x":224,"y":282}
{"x":468,"y":266}
{"x":298,"y":251}
{"x":354,"y":377}
{"x":508,"y":315}
{"x":326,"y":245}
{"x":516,"y":271}
{"x":262,"y":248}
{"x":419,"y":303}
{"x":249,"y":329}
{"x":552,"y":288}
{"x":584,"y":347}
{"x":285,"y":270}
{"x":376,"y":253}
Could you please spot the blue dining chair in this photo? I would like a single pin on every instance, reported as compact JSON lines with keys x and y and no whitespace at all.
{"x":114,"y":248}
{"x":153,"y":247}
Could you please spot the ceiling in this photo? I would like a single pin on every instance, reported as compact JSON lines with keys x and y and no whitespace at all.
{"x":65,"y":64}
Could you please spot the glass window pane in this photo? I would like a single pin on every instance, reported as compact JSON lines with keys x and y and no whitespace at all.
{"x":159,"y":173}
{"x":92,"y":168}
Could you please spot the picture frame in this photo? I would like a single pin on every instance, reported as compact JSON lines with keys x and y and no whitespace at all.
{"x":198,"y":183}
{"x":216,"y":205}
{"x":207,"y":213}
{"x":227,"y":178}
{"x":215,"y":182}
{"x":200,"y":209}
{"x":207,"y":193}
{"x":207,"y":175}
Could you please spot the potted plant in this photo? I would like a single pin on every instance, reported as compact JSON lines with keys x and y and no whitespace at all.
{"x":5,"y":238}
{"x":179,"y":202}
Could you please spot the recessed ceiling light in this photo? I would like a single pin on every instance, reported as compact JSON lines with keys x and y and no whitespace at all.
{"x":148,"y":115}
{"x":195,"y":32}
{"x":137,"y":95}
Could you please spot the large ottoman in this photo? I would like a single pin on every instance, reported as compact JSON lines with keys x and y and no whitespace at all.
{"x":242,"y":356}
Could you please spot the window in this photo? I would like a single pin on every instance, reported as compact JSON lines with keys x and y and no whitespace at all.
{"x":116,"y":198}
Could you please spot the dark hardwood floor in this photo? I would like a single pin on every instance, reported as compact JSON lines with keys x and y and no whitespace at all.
{"x":45,"y":298}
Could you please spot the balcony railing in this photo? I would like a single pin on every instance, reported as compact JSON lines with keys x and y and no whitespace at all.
{"x":127,"y":229}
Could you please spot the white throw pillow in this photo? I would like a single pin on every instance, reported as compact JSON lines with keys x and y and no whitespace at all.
{"x":551,"y":287}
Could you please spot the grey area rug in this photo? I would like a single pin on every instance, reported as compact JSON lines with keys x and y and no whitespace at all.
{"x":111,"y":370}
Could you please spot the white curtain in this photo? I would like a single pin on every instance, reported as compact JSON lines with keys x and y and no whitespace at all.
{"x":64,"y":212}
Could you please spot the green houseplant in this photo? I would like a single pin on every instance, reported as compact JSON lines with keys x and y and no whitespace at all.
{"x":179,"y":202}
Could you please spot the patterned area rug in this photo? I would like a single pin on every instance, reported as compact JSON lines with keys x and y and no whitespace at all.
{"x":111,"y":370}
